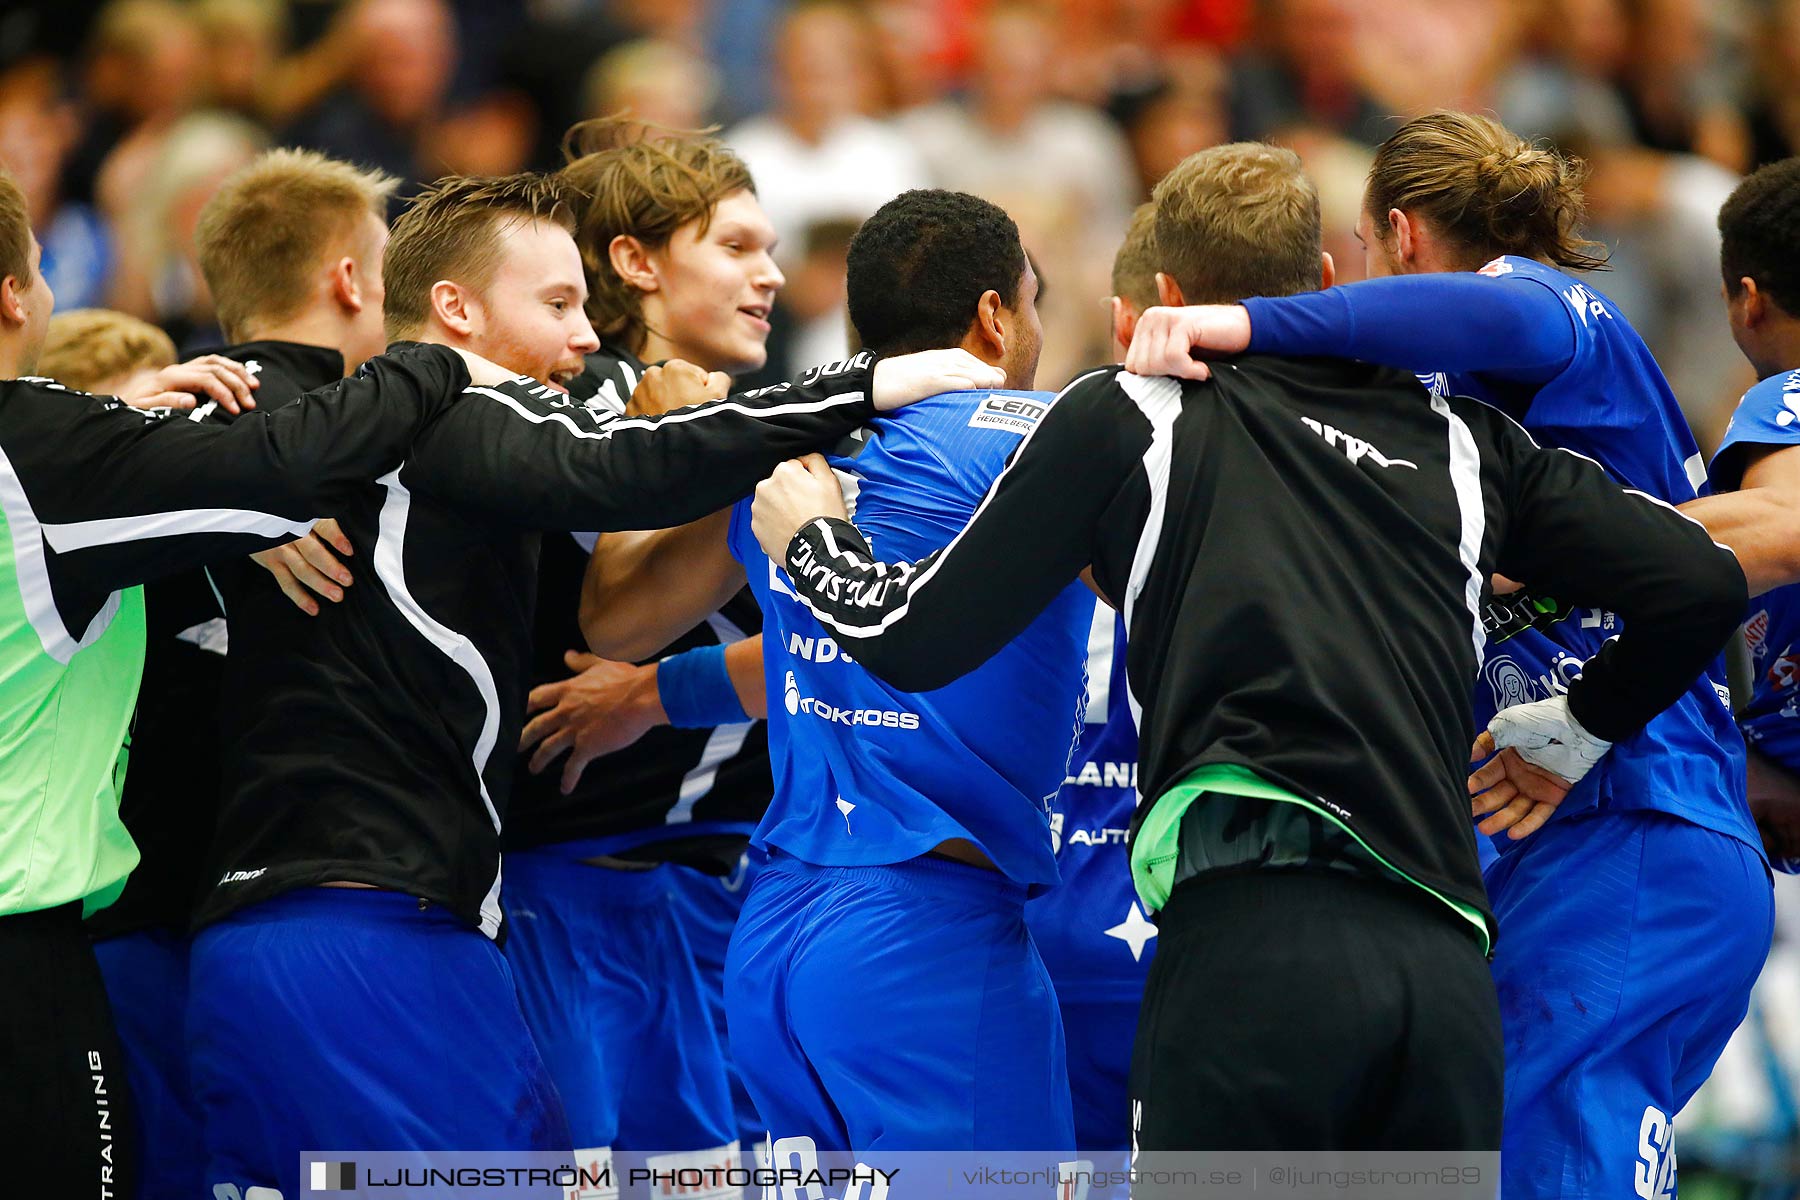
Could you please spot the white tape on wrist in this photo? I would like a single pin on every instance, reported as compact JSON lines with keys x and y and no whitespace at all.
{"x":1546,"y":734}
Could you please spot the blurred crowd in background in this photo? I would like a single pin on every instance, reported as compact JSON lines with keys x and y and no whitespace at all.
{"x":119,"y":119}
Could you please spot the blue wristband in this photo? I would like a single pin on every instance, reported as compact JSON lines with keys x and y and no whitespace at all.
{"x":696,"y":689}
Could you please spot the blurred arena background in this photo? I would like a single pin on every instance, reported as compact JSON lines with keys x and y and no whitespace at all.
{"x":119,"y":119}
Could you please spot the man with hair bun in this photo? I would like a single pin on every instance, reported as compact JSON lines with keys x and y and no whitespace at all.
{"x":1635,"y":906}
{"x":1299,"y":547}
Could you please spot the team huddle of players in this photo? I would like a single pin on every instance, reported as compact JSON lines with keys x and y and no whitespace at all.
{"x":474,"y":819}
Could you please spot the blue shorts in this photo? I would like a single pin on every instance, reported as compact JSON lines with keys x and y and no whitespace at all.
{"x":1100,"y":1034}
{"x":610,"y":991}
{"x":1627,"y":948}
{"x":146,"y":975}
{"x":708,"y":908}
{"x":350,"y":1019}
{"x":896,"y":1008}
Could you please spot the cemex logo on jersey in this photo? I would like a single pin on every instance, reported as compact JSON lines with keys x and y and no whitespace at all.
{"x":879,"y":718}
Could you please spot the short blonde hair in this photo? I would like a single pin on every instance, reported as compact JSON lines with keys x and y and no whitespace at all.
{"x":1239,"y":220}
{"x":452,"y":230}
{"x":87,"y":348}
{"x":642,"y":182}
{"x":268,"y":228}
{"x":15,"y":233}
{"x":1135,"y":265}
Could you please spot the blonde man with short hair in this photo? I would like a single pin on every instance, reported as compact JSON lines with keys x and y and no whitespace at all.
{"x":95,"y":499}
{"x":291,"y":245}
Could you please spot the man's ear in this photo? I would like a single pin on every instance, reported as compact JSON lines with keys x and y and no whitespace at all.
{"x":346,"y":285}
{"x":631,"y":262}
{"x":455,"y":307}
{"x":991,"y":327}
{"x":1168,"y":291}
{"x":12,"y":304}
{"x":1327,"y":270}
{"x":1124,"y":324}
{"x":1755,"y":304}
{"x":1406,"y":243}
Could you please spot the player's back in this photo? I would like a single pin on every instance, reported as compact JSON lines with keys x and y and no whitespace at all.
{"x":1612,"y":404}
{"x":868,"y":775}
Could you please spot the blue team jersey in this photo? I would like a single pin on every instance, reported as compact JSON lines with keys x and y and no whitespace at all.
{"x":1769,"y":415}
{"x":1092,"y":932}
{"x":1612,"y":404}
{"x":866,"y":775}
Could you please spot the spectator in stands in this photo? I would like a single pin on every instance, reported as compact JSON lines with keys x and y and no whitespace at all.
{"x":821,"y":156}
{"x":394,"y":92}
{"x":1306,"y":74}
{"x":1062,"y":170}
{"x":657,"y":82}
{"x":158,"y":276}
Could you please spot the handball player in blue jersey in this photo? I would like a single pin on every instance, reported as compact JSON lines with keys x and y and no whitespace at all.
{"x":1633,"y":923}
{"x":906,"y":830}
{"x":1759,"y":461}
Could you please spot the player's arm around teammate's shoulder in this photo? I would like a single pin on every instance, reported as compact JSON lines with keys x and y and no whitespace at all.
{"x":644,"y":589}
{"x":1760,"y":520}
{"x":921,"y":625}
{"x":530,"y":457}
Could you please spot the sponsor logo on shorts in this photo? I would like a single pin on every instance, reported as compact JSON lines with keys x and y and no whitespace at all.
{"x":1013,"y":414}
{"x":1654,"y":1171}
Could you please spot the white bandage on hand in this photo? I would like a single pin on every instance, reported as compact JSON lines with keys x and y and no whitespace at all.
{"x":1546,"y":734}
